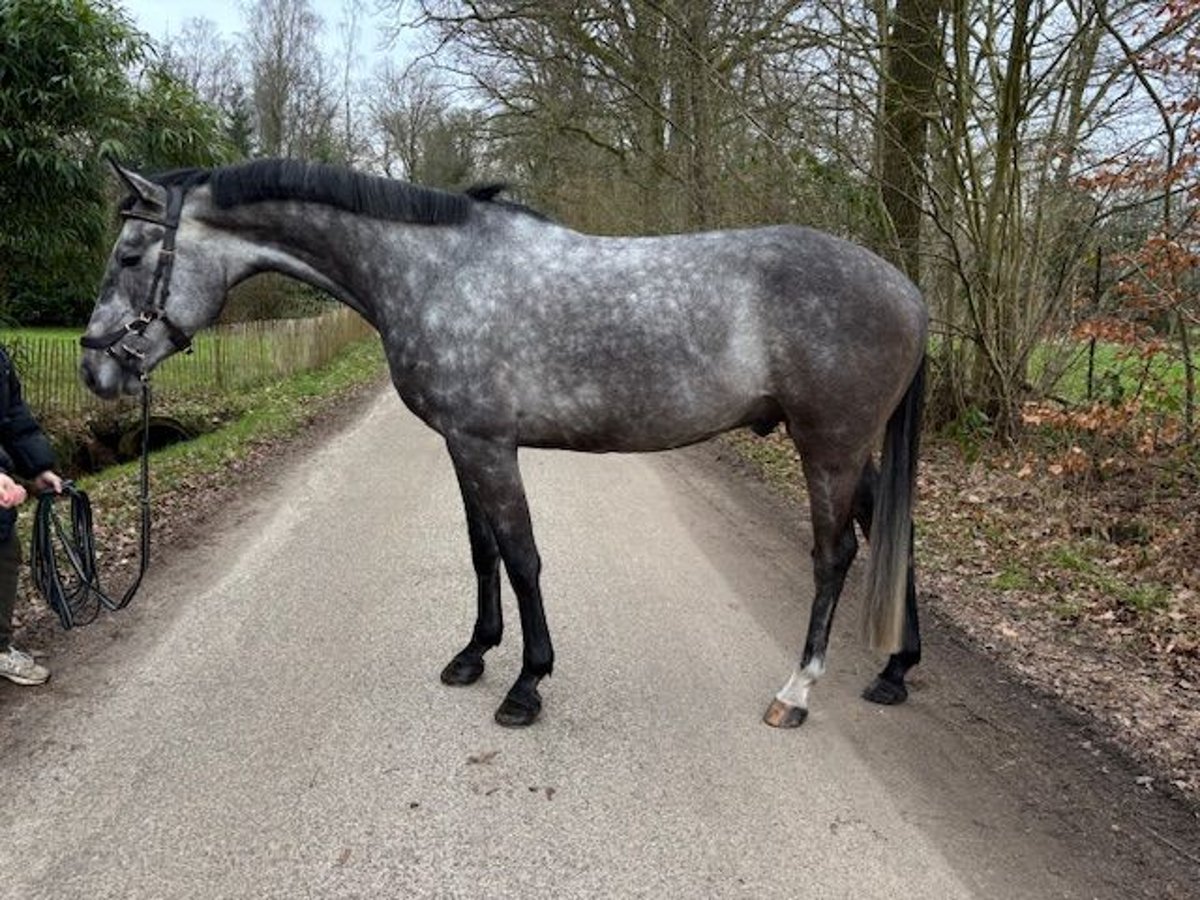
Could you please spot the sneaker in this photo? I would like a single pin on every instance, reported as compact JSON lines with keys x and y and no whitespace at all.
{"x":19,"y":668}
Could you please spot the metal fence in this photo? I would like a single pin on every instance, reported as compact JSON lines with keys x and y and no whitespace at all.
{"x":228,"y":357}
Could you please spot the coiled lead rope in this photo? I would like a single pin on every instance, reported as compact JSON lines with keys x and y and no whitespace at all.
{"x":73,"y":590}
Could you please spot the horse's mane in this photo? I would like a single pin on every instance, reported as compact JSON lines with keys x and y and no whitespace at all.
{"x":369,"y":195}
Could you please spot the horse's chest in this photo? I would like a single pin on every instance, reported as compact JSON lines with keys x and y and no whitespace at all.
{"x":446,"y":380}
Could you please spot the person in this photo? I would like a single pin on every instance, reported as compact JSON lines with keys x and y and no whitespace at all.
{"x":25,"y":452}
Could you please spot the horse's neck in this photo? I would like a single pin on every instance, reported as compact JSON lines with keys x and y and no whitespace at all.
{"x":356,"y":259}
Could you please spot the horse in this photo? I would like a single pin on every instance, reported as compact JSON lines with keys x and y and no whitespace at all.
{"x":504,"y":329}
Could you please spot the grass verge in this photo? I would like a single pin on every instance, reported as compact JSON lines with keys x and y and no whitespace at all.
{"x":264,"y":414}
{"x":189,"y":478}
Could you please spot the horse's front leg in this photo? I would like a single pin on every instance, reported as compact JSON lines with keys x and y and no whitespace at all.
{"x":488,"y":472}
{"x":467,"y":664}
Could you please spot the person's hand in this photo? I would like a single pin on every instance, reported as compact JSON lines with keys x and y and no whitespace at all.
{"x":11,"y":493}
{"x":48,"y":481}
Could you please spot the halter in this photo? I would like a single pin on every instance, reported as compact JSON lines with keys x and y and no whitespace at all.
{"x":156,"y":304}
{"x":75,"y":594}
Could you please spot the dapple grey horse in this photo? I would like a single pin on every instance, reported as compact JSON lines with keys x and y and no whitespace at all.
{"x":503,"y":330}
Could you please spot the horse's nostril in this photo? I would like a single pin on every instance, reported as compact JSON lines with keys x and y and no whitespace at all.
{"x":89,"y":379}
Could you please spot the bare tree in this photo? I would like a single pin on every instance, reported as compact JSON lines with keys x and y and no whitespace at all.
{"x":201,"y":58}
{"x":353,"y":142}
{"x":1034,"y":93}
{"x":913,"y":63}
{"x":405,"y":106}
{"x":645,"y":94}
{"x":294,"y":102}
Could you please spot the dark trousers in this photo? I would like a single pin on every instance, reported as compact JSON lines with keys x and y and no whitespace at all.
{"x":10,"y":566}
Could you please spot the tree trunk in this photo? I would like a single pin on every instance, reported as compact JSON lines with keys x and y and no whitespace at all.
{"x":914,"y":59}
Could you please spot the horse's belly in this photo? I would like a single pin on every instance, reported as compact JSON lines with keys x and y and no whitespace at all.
{"x":650,"y":418}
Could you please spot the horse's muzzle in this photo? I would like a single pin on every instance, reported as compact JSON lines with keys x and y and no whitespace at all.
{"x":106,"y":377}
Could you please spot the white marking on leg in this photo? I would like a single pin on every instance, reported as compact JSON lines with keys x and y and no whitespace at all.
{"x":795,"y":692}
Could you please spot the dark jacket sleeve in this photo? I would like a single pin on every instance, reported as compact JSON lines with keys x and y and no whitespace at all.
{"x":20,"y":434}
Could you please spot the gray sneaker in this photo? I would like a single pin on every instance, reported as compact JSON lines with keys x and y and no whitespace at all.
{"x":19,"y":668}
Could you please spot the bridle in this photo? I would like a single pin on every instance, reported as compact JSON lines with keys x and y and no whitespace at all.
{"x":73,"y":591}
{"x":155,"y":308}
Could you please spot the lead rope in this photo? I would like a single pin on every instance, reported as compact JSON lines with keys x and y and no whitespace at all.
{"x":74,"y":591}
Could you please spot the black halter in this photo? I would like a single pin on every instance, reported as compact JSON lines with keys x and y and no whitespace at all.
{"x":78,"y":597}
{"x":160,"y":289}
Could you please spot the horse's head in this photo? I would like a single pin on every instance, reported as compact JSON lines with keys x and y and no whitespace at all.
{"x":163,"y":283}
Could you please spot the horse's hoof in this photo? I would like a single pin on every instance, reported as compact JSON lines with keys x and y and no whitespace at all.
{"x":461,"y":671}
{"x":784,"y":715}
{"x":517,"y":712}
{"x":888,"y":693}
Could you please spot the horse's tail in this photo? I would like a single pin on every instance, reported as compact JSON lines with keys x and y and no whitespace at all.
{"x":891,"y":524}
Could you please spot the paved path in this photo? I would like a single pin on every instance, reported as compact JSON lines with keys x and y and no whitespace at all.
{"x":267,"y":721}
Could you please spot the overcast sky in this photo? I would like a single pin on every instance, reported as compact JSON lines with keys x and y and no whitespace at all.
{"x":161,"y":19}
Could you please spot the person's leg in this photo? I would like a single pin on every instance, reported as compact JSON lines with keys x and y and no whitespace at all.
{"x":15,"y":665}
{"x":10,"y":564}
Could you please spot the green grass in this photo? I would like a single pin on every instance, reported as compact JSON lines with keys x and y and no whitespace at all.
{"x":1119,"y":372}
{"x":274,"y":410}
{"x":1014,"y":578}
{"x":13,"y":337}
{"x":1067,"y":610}
{"x":1144,"y":598}
{"x":1072,"y":558}
{"x":262,"y":415}
{"x":775,"y":460}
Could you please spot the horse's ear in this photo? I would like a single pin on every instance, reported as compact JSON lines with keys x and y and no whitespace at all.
{"x":142,"y":188}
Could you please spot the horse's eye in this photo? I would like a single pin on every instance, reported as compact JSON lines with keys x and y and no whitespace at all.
{"x":129,"y":259}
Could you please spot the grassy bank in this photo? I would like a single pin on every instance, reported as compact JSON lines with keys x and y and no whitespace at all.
{"x":255,"y":417}
{"x":1119,"y":373}
{"x":190,"y":478}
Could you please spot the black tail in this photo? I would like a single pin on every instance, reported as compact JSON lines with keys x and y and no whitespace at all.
{"x":891,"y":525}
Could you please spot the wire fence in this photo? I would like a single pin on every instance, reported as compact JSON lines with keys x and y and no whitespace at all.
{"x":225,"y":358}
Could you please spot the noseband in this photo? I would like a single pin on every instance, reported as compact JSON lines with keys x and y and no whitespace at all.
{"x":155,"y":309}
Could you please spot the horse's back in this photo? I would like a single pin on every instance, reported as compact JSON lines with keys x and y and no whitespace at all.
{"x":602,"y":343}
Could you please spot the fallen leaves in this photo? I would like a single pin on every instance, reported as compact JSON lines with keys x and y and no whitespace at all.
{"x":1079,"y":585}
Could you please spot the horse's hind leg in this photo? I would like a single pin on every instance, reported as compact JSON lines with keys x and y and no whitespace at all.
{"x":831,"y":488}
{"x":467,"y":664}
{"x":488,"y":471}
{"x":888,"y":686}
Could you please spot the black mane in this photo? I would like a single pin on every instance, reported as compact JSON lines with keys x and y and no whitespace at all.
{"x":490,"y":193}
{"x":369,"y":195}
